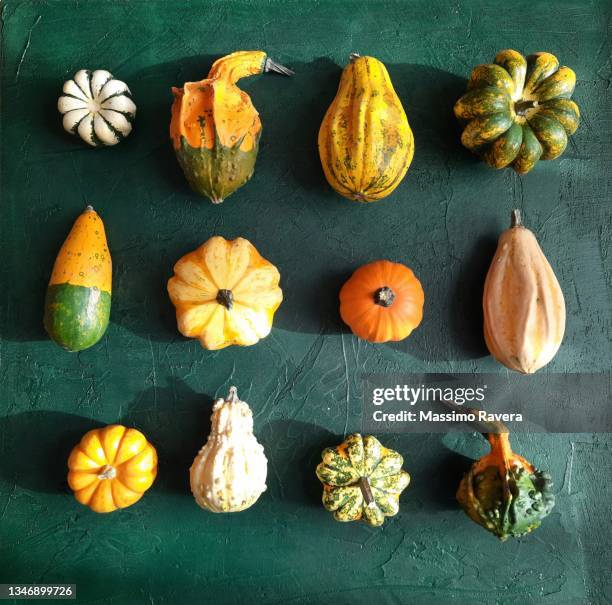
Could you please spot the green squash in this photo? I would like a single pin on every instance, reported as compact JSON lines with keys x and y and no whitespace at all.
{"x":216,"y":173}
{"x":517,"y":111}
{"x":362,"y":480}
{"x":76,"y":317}
{"x":504,"y":493}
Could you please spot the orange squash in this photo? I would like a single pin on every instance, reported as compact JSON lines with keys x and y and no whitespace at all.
{"x":112,"y":467}
{"x":523,"y":305}
{"x":382,"y":301}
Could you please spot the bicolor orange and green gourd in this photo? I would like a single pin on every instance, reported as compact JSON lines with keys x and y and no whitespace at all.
{"x":518,"y":111}
{"x":78,"y":301}
{"x":215,"y":128}
{"x":503,"y":492}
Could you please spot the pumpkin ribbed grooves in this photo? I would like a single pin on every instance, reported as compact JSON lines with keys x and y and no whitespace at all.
{"x":384,"y":296}
{"x":225,"y":298}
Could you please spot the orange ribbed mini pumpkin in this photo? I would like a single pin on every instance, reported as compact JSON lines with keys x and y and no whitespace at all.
{"x":382,"y":301}
{"x":111,"y":467}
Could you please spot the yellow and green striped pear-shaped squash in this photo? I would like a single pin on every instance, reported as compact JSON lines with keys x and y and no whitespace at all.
{"x":365,"y":142}
{"x":517,"y":111}
{"x":362,"y":480}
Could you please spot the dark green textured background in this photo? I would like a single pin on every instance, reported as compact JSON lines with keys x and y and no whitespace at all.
{"x":303,"y":380}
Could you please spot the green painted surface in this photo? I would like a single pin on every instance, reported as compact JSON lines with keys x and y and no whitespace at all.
{"x":76,"y":317}
{"x":303,"y":380}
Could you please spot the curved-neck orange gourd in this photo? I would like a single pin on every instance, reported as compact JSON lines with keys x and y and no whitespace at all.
{"x":215,"y":127}
{"x":77,"y":305}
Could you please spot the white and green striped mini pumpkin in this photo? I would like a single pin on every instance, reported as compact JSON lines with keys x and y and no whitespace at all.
{"x":97,"y":107}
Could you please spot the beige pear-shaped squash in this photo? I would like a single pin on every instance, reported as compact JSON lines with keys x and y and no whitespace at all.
{"x":524,"y":309}
{"x":229,"y":473}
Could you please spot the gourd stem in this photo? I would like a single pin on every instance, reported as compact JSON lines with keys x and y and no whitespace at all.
{"x":108,"y":472}
{"x":353,"y":57}
{"x":366,"y":490}
{"x":89,"y":208}
{"x":232,"y":396}
{"x":384,"y":296}
{"x":520,"y":107}
{"x":515,"y":218}
{"x":271,"y":65}
{"x":225,"y":298}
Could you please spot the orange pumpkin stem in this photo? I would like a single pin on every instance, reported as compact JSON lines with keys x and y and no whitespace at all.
{"x":515,"y":218}
{"x":384,"y":296}
{"x":238,"y":65}
{"x":107,"y":472}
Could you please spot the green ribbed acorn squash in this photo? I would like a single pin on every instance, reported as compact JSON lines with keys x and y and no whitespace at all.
{"x":517,"y":111}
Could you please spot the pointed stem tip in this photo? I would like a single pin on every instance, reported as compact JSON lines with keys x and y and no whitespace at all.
{"x":232,"y":396}
{"x":271,"y":65}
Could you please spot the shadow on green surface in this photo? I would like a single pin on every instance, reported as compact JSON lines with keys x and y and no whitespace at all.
{"x":440,"y":491}
{"x":452,"y":319}
{"x":175,"y":419}
{"x":466,"y":316}
{"x":318,"y":83}
{"x":294,"y":449}
{"x":36,"y":446}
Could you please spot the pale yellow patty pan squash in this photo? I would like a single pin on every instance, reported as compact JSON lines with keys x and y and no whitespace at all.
{"x":225,"y":293}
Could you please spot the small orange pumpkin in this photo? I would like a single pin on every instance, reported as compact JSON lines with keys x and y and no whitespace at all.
{"x":382,"y":301}
{"x":111,"y":467}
